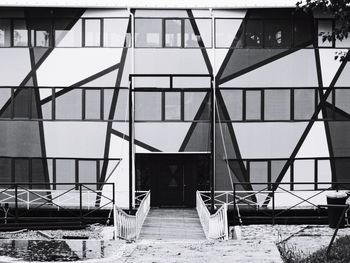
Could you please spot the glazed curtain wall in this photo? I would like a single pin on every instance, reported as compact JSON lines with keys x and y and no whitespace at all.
{"x":282,"y":100}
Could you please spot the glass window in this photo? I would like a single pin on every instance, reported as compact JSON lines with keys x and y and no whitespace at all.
{"x":24,"y":103}
{"x":173,"y":33}
{"x":21,"y":170}
{"x":253,"y":33}
{"x":65,"y":173}
{"x":5,"y":96}
{"x":114,"y":32}
{"x":233,"y":100}
{"x":226,"y":30}
{"x":148,"y":32}
{"x":303,"y":34}
{"x":148,"y":106}
{"x":5,"y":170}
{"x":191,"y":39}
{"x":92,"y":104}
{"x":92,"y":32}
{"x":172,"y":106}
{"x":345,"y":42}
{"x":40,"y":30}
{"x":69,"y":105}
{"x":304,"y":103}
{"x":20,"y":33}
{"x":277,"y":104}
{"x":193,"y":101}
{"x":67,"y":34}
{"x":258,"y":173}
{"x":253,"y":105}
{"x":88,"y":172}
{"x":5,"y":33}
{"x":107,"y":100}
{"x":324,"y":28}
{"x":278,"y":33}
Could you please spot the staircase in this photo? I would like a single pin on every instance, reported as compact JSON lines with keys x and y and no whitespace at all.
{"x":172,"y":224}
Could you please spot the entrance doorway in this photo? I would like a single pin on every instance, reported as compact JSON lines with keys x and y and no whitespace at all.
{"x":172,"y":178}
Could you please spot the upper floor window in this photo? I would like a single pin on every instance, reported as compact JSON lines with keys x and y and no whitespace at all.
{"x":92,"y":32}
{"x":40,"y":32}
{"x":5,"y":33}
{"x":20,"y":33}
{"x":173,"y":32}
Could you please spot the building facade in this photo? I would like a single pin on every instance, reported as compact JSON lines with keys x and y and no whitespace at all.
{"x":71,"y":77}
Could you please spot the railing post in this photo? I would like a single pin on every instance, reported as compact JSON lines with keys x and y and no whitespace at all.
{"x":273,"y":204}
{"x":234,"y":203}
{"x":80,"y":203}
{"x":16,"y":202}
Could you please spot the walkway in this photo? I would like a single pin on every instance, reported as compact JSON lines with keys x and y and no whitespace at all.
{"x":172,"y":224}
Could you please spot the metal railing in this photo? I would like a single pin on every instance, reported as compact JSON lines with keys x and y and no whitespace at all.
{"x":75,"y":200}
{"x":273,"y":201}
{"x":129,"y":226}
{"x":215,"y":226}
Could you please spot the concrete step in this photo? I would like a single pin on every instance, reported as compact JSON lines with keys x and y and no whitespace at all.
{"x":172,"y":224}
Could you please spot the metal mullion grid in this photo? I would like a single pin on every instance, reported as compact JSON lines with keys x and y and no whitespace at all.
{"x":248,"y":170}
{"x":76,"y":173}
{"x":262,"y":106}
{"x":97,"y":170}
{"x":269,"y":180}
{"x":163,"y":105}
{"x":182,"y":106}
{"x":182,"y":33}
{"x":54,"y":173}
{"x":101,"y":32}
{"x":292,"y":104}
{"x":316,"y":174}
{"x":83,"y":32}
{"x":83,"y":103}
{"x":244,"y":101}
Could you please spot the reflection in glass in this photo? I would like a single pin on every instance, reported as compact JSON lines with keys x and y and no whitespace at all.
{"x":40,"y":30}
{"x":278,"y":33}
{"x":92,"y":32}
{"x":191,"y":39}
{"x":20,"y":33}
{"x":253,"y":33}
{"x":148,"y":32}
{"x":173,"y":33}
{"x":5,"y":33}
{"x":172,"y":106}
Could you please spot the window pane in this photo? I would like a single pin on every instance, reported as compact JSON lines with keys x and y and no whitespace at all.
{"x":253,"y":33}
{"x":258,"y":174}
{"x":65,"y":173}
{"x":277,"y":104}
{"x":302,"y":31}
{"x":69,"y":105}
{"x":92,"y":32}
{"x":40,"y":30}
{"x":253,"y":105}
{"x":20,"y":33}
{"x":5,"y":170}
{"x":278,"y":33}
{"x":24,"y":103}
{"x":345,"y":42}
{"x":107,"y":100}
{"x":5,"y":33}
{"x":172,"y":33}
{"x":324,"y":28}
{"x":172,"y":105}
{"x":148,"y":106}
{"x":225,"y":31}
{"x":67,"y":34}
{"x":233,"y":101}
{"x":92,"y":104}
{"x":114,"y":33}
{"x":304,"y":104}
{"x":193,"y":100}
{"x":88,"y":173}
{"x":148,"y":32}
{"x":191,"y":39}
{"x":21,"y":170}
{"x":342,"y":99}
{"x":5,"y":96}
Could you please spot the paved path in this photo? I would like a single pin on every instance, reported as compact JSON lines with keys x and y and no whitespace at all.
{"x":172,"y":224}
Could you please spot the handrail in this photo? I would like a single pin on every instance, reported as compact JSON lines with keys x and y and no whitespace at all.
{"x":128,"y":227}
{"x":215,"y":226}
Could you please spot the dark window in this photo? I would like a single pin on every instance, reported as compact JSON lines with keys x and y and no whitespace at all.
{"x":173,"y":32}
{"x":5,"y":33}
{"x":92,"y":32}
{"x":277,"y":33}
{"x":303,"y":34}
{"x":253,"y":33}
{"x":20,"y":33}
{"x":40,"y":32}
{"x":148,"y":32}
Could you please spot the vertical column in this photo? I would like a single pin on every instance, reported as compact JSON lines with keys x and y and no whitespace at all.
{"x":131,"y":142}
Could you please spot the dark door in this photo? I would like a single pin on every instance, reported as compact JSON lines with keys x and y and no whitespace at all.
{"x":172,"y":178}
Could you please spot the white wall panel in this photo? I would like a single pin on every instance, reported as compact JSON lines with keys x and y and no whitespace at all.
{"x":329,"y":65}
{"x":295,"y":70}
{"x":15,"y":66}
{"x":268,"y":140}
{"x":315,"y":144}
{"x":66,"y":66}
{"x":75,"y":139}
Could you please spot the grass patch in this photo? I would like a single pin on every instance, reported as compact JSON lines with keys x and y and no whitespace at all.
{"x":340,"y":253}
